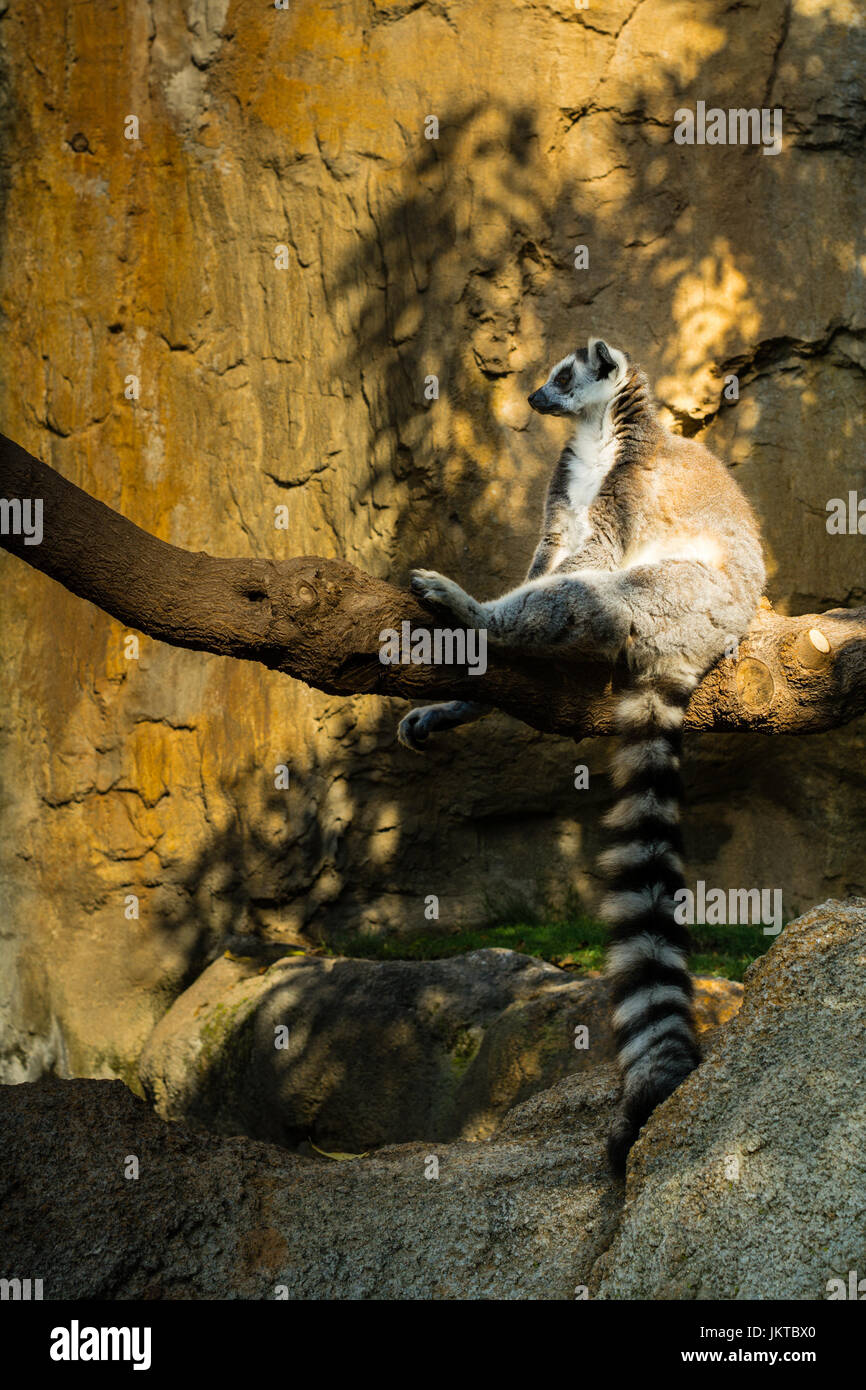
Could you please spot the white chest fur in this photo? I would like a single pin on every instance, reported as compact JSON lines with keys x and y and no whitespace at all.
{"x":593,"y":454}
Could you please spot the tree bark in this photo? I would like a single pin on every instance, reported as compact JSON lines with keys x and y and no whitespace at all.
{"x":320,"y":620}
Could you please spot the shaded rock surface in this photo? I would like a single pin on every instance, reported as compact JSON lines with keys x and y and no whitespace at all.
{"x":379,"y":1052}
{"x":304,"y":387}
{"x":750,"y":1182}
{"x":208,"y":1217}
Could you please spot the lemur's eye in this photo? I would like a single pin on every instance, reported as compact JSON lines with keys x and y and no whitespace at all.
{"x":562,"y":378}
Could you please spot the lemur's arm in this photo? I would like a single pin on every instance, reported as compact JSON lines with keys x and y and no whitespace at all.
{"x":547,"y":553}
{"x":552,"y":548}
{"x":571,"y":541}
{"x":552,"y":554}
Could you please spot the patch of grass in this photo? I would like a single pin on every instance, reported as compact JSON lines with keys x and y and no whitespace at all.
{"x":577,"y":944}
{"x":550,"y":940}
{"x":727,"y":950}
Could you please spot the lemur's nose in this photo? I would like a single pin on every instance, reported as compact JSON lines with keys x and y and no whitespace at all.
{"x":533,"y":399}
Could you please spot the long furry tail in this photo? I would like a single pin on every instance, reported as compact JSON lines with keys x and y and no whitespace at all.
{"x":651,"y":987}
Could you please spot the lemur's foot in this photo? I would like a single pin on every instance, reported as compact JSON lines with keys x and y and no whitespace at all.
{"x":414,"y":728}
{"x":436,"y":589}
{"x":440,"y":592}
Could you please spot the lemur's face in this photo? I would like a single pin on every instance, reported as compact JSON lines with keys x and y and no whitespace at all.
{"x":587,"y":378}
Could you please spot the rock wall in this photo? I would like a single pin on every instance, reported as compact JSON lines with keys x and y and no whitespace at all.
{"x":304,"y":386}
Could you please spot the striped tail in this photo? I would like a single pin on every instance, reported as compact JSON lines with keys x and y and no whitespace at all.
{"x":651,"y":989}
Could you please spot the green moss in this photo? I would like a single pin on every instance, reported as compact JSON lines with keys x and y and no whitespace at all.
{"x":125,"y":1070}
{"x":222,"y":1021}
{"x":464,"y":1049}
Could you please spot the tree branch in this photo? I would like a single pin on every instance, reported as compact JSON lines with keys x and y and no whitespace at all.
{"x":319,"y":620}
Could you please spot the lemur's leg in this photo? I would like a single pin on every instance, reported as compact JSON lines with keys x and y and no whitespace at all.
{"x":551,"y":611}
{"x":416,"y":727}
{"x":679,"y":611}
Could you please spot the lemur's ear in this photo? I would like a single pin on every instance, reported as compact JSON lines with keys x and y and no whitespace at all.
{"x":602,"y":359}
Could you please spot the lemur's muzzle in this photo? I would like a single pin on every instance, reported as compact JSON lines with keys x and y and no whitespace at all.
{"x":540,"y":401}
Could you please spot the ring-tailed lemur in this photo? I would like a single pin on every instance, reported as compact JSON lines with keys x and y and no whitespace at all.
{"x":650,"y":553}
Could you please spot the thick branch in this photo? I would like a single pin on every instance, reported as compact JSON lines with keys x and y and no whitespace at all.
{"x":319,"y":620}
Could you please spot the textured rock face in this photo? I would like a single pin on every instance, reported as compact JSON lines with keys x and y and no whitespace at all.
{"x":749,"y":1182}
{"x":210,"y":1217}
{"x":305,"y":387}
{"x":374,"y":1053}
